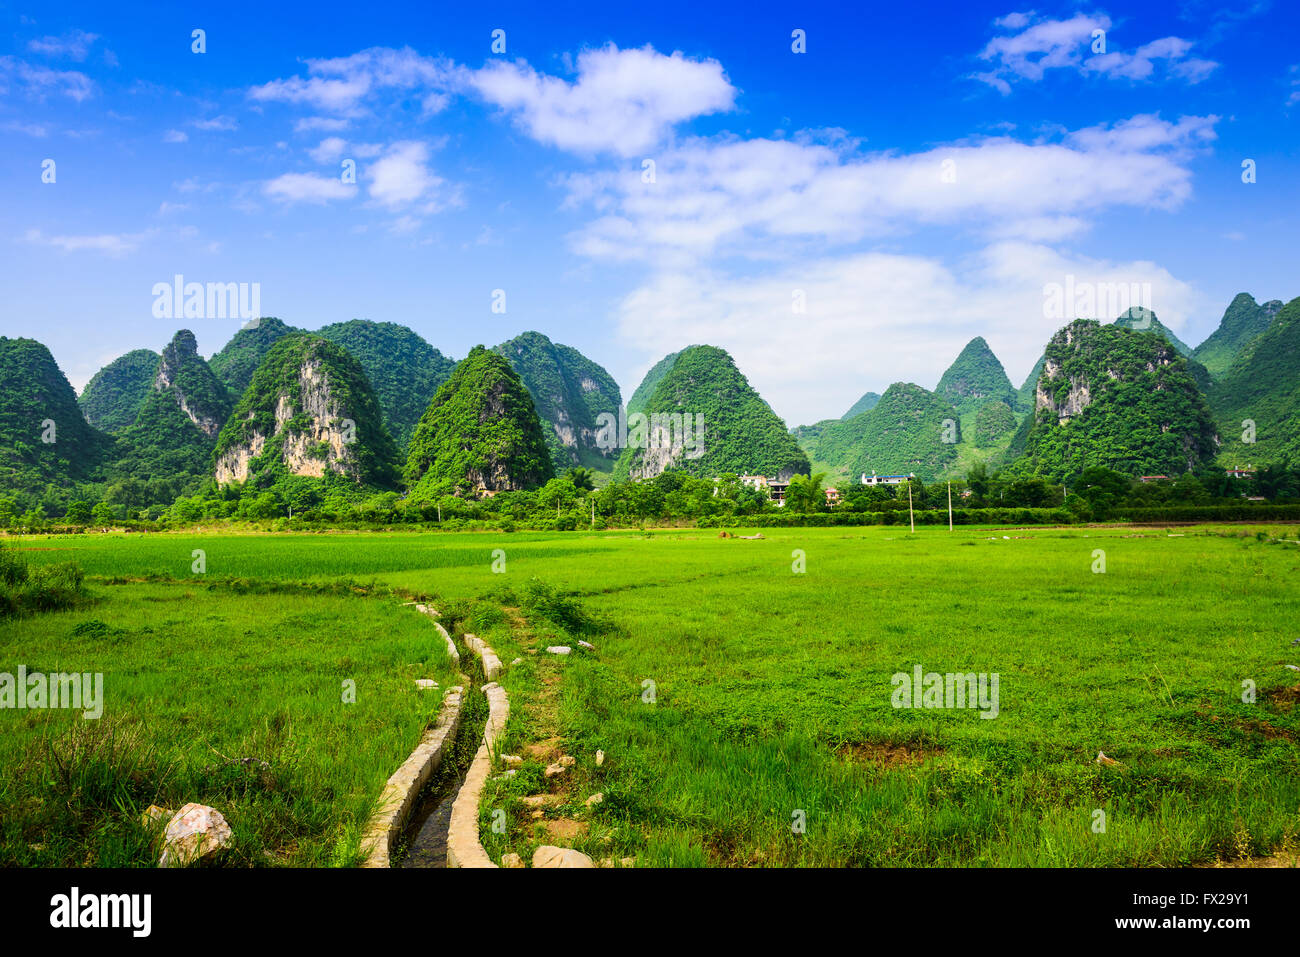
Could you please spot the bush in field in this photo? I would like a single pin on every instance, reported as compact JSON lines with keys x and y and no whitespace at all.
{"x":542,"y":599}
{"x":46,"y":588}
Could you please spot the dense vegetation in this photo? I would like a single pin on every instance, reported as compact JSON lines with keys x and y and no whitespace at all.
{"x":1119,"y":399}
{"x":569,"y":392}
{"x":864,"y":404}
{"x":403,"y":369}
{"x":46,"y":445}
{"x":1144,"y":320}
{"x":168,"y":449}
{"x":741,"y":432}
{"x":46,"y":587}
{"x":115,"y":394}
{"x":975,"y":377}
{"x":993,"y":420}
{"x":1025,"y":394}
{"x":1263,"y":386}
{"x":650,"y":382}
{"x":1243,"y":322}
{"x":240,"y":357}
{"x":480,"y":432}
{"x":906,"y":432}
{"x":334,"y":424}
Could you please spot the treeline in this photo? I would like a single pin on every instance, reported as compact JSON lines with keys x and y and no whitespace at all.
{"x":572,"y":502}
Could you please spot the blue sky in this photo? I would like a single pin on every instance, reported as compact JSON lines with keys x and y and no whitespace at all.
{"x":913,"y":179}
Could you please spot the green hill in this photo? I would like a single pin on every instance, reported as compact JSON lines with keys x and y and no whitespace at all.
{"x":975,"y":377}
{"x":905,"y":433}
{"x":480,"y":434}
{"x":1025,"y":394}
{"x":169,"y":446}
{"x":44,"y":438}
{"x":647,"y":387}
{"x":115,"y":394}
{"x":403,"y":369}
{"x":239,"y":358}
{"x":1263,"y":385}
{"x":569,"y":392}
{"x":309,"y":411}
{"x":1139,"y":319}
{"x":1116,"y":398}
{"x":864,"y":404}
{"x":741,"y":432}
{"x":1243,"y":322}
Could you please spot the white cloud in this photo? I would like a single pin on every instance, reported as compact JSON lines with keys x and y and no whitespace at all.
{"x":75,"y":45}
{"x":339,"y":84}
{"x":30,"y":129}
{"x":333,"y":148}
{"x":623,"y":101}
{"x":223,"y":124}
{"x":1046,"y":44}
{"x":755,"y":197}
{"x":39,"y":80}
{"x":308,"y":188}
{"x":325,"y":124}
{"x":111,"y":244}
{"x":815,"y":364}
{"x":329,"y":149}
{"x":176,"y":136}
{"x":402,"y":176}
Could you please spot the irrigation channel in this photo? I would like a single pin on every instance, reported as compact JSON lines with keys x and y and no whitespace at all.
{"x":424,"y":839}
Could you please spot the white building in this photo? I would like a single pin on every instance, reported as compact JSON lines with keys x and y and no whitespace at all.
{"x":875,"y":479}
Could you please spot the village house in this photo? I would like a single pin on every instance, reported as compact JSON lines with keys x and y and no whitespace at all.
{"x":885,"y":479}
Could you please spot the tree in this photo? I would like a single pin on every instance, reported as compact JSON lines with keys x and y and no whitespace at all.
{"x":79,"y":513}
{"x":581,"y":478}
{"x":103,"y":514}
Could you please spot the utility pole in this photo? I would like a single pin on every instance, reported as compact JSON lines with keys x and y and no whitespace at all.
{"x":950,"y":505}
{"x":910,"y":517}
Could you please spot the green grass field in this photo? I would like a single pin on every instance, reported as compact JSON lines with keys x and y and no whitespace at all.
{"x":771,"y":738}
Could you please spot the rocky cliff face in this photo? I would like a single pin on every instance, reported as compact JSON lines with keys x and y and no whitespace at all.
{"x":1119,"y":398}
{"x":309,"y":411}
{"x":569,"y":392}
{"x":198,"y":393}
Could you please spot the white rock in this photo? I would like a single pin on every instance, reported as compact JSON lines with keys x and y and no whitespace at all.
{"x":600,"y":758}
{"x":512,"y":760}
{"x":517,"y":661}
{"x":559,"y":649}
{"x":197,"y":831}
{"x":425,"y":684}
{"x":594,"y":799}
{"x":567,"y":761}
{"x":588,"y":645}
{"x":554,"y":770}
{"x":512,"y":860}
{"x":548,"y":856}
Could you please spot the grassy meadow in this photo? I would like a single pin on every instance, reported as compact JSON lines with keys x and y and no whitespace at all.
{"x":741,"y":692}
